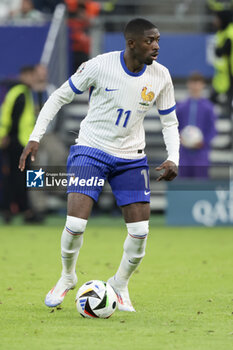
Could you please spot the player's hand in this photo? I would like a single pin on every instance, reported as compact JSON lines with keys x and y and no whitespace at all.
{"x":170,"y":171}
{"x":32,"y":147}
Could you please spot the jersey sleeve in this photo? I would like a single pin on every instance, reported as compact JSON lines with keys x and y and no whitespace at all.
{"x":165,"y":101}
{"x":171,"y":136}
{"x":84,"y":77}
{"x":59,"y":97}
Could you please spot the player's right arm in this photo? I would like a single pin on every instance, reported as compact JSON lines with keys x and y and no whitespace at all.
{"x":77,"y":84}
{"x":166,"y":107}
{"x":60,"y":97}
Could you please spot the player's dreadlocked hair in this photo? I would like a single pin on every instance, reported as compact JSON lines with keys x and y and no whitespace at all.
{"x":137,"y":27}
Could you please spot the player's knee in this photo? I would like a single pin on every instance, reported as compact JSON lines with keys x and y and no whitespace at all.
{"x":75,"y":226}
{"x":72,"y":236}
{"x":135,"y":244}
{"x":138,"y":229}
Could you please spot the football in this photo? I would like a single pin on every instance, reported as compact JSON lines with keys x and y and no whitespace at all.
{"x":191,"y":135}
{"x":96,"y":299}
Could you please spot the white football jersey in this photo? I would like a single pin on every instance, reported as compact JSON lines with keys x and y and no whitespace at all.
{"x":119,"y":101}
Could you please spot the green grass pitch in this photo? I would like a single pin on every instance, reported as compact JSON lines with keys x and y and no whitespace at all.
{"x":183,"y":290}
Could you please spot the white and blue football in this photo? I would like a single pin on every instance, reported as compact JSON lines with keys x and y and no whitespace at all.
{"x":96,"y":299}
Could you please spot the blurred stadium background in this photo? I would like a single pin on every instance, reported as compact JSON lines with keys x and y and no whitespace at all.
{"x":187,"y":45}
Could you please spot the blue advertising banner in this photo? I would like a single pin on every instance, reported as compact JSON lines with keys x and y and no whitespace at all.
{"x":196,"y":206}
{"x":20,"y":46}
{"x":182,"y":54}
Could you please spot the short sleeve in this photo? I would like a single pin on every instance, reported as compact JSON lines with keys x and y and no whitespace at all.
{"x":165,"y":101}
{"x":84,"y":77}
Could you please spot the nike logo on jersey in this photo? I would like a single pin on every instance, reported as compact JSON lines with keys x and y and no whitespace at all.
{"x":110,"y":89}
{"x":146,"y":193}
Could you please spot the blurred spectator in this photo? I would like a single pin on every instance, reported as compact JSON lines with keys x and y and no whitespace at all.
{"x":81,"y":13}
{"x":27,"y":11}
{"x":197,"y":129}
{"x":47,"y":6}
{"x":223,"y":77}
{"x":16,"y":124}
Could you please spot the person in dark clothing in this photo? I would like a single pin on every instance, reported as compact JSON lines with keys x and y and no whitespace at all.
{"x":17,"y":120}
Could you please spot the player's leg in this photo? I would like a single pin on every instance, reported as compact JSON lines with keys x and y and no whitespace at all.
{"x":78,"y":211}
{"x":83,"y":163}
{"x":136,"y":216}
{"x":131,"y":189}
{"x":136,"y":212}
{"x":79,"y":207}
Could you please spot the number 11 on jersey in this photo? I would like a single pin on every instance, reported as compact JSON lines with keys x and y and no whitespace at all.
{"x":121,"y":112}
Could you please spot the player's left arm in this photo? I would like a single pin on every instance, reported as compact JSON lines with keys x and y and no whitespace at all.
{"x":172,"y":141}
{"x":166,"y":107}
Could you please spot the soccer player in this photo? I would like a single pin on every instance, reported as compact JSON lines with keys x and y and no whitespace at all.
{"x":123,"y":87}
